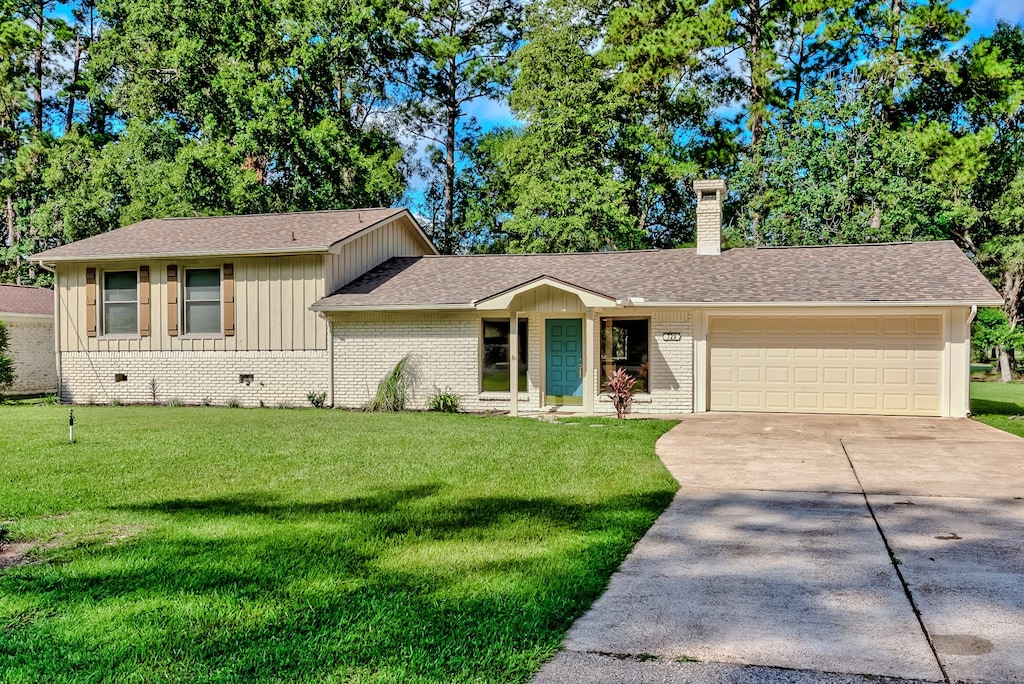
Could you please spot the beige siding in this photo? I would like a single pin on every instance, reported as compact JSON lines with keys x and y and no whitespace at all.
{"x":394,"y":239}
{"x":272,"y":296}
{"x":547,"y":299}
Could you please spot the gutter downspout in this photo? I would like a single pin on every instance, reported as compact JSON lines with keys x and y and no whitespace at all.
{"x":52,"y":268}
{"x":330,"y":360}
{"x":970,"y":319}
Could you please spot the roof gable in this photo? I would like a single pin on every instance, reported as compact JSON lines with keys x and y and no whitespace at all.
{"x":502,"y":300}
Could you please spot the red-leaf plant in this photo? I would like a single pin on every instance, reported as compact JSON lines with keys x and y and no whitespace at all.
{"x":620,"y":385}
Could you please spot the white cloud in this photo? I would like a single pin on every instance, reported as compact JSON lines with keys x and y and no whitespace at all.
{"x":985,"y":13}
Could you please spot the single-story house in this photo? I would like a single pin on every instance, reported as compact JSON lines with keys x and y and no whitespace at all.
{"x":265,"y":309}
{"x":28,"y":313}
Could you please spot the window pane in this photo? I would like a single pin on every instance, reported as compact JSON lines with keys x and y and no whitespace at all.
{"x":120,"y":318}
{"x":624,"y":344}
{"x":202,"y":284}
{"x":496,"y":372}
{"x":202,"y":317}
{"x":119,"y":286}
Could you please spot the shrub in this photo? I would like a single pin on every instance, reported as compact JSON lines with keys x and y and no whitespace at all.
{"x":444,"y":401}
{"x":233,"y":403}
{"x":393,"y":390}
{"x":50,"y":399}
{"x":6,"y":363}
{"x":620,"y":385}
{"x":175,"y":402}
{"x":317,"y":399}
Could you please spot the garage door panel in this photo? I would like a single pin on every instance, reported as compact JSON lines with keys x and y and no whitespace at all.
{"x":858,"y":364}
{"x":836,"y":376}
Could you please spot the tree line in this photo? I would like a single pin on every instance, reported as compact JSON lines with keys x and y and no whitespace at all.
{"x":834,"y":121}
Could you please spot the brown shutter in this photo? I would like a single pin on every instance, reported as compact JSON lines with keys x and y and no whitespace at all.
{"x":172,"y":301}
{"x":144,"y":325}
{"x":229,"y":299}
{"x":90,"y":302}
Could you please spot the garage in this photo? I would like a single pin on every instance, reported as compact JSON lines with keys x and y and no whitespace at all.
{"x":860,"y":364}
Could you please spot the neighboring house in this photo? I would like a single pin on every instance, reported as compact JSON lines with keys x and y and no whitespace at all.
{"x":28,"y":313}
{"x":872,"y":329}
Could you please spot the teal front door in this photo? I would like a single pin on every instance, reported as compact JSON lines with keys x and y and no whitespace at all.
{"x":563,"y":360}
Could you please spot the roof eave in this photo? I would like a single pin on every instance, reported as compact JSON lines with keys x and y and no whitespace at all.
{"x":42,"y":259}
{"x":830,"y":303}
{"x":328,"y":308}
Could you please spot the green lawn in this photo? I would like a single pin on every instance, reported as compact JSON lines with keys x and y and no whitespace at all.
{"x":1000,"y":405}
{"x":233,"y":545}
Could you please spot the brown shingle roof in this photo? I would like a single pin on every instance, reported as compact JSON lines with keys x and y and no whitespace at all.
{"x":307,"y":231}
{"x":21,"y":299}
{"x":904,"y":272}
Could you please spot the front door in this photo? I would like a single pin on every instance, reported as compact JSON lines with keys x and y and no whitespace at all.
{"x":563,"y":361}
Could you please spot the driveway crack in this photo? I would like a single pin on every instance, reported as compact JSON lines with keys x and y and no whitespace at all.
{"x":896,"y":566}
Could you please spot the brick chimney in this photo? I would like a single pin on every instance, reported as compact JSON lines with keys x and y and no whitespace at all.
{"x":710,"y":195}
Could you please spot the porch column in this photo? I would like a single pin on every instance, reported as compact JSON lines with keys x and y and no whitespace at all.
{"x":589,"y":369}
{"x":513,"y":363}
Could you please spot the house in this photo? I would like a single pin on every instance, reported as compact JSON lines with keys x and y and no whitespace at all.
{"x":264,"y":309}
{"x":28,"y":313}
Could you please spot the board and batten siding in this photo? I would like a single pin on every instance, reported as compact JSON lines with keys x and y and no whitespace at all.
{"x":393,"y":239}
{"x":272,"y":298}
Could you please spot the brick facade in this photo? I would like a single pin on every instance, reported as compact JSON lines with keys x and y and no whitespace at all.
{"x":31,"y":349}
{"x":280,"y":378}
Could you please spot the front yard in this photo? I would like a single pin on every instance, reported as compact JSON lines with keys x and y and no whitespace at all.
{"x":231,"y":545}
{"x":1000,"y":405}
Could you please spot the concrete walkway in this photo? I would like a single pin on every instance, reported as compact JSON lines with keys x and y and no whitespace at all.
{"x":820,"y":548}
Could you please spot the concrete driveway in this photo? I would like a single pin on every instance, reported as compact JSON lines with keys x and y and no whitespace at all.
{"x":820,"y":549}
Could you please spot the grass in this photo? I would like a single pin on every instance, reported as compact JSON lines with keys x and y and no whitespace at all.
{"x":220,"y":545}
{"x":1000,"y":405}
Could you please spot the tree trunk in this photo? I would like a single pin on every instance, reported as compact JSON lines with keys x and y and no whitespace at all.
{"x":756,"y":95}
{"x":451,"y":123}
{"x":11,"y":237}
{"x":1005,"y":369}
{"x":1013,"y":287}
{"x":74,"y":82}
{"x":37,"y":70}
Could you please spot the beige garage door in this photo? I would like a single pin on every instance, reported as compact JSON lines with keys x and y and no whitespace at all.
{"x":888,"y":365}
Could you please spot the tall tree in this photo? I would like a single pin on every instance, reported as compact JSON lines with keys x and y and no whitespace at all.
{"x":598,"y":162}
{"x":833,"y":172}
{"x":458,"y":53}
{"x":292,"y":87}
{"x":971,"y":126}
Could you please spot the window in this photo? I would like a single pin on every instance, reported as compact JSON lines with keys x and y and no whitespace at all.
{"x":496,"y":359}
{"x":624,"y":344}
{"x":120,"y":303}
{"x":202,"y":301}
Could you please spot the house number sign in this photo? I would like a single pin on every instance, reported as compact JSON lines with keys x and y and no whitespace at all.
{"x":672,"y":336}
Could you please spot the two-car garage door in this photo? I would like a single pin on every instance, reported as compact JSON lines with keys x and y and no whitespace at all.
{"x":888,"y":365}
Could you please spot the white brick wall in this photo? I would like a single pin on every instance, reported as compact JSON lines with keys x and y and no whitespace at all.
{"x":280,"y":377}
{"x":671,"y":370}
{"x":31,"y":349}
{"x":444,"y":352}
{"x":444,"y":349}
